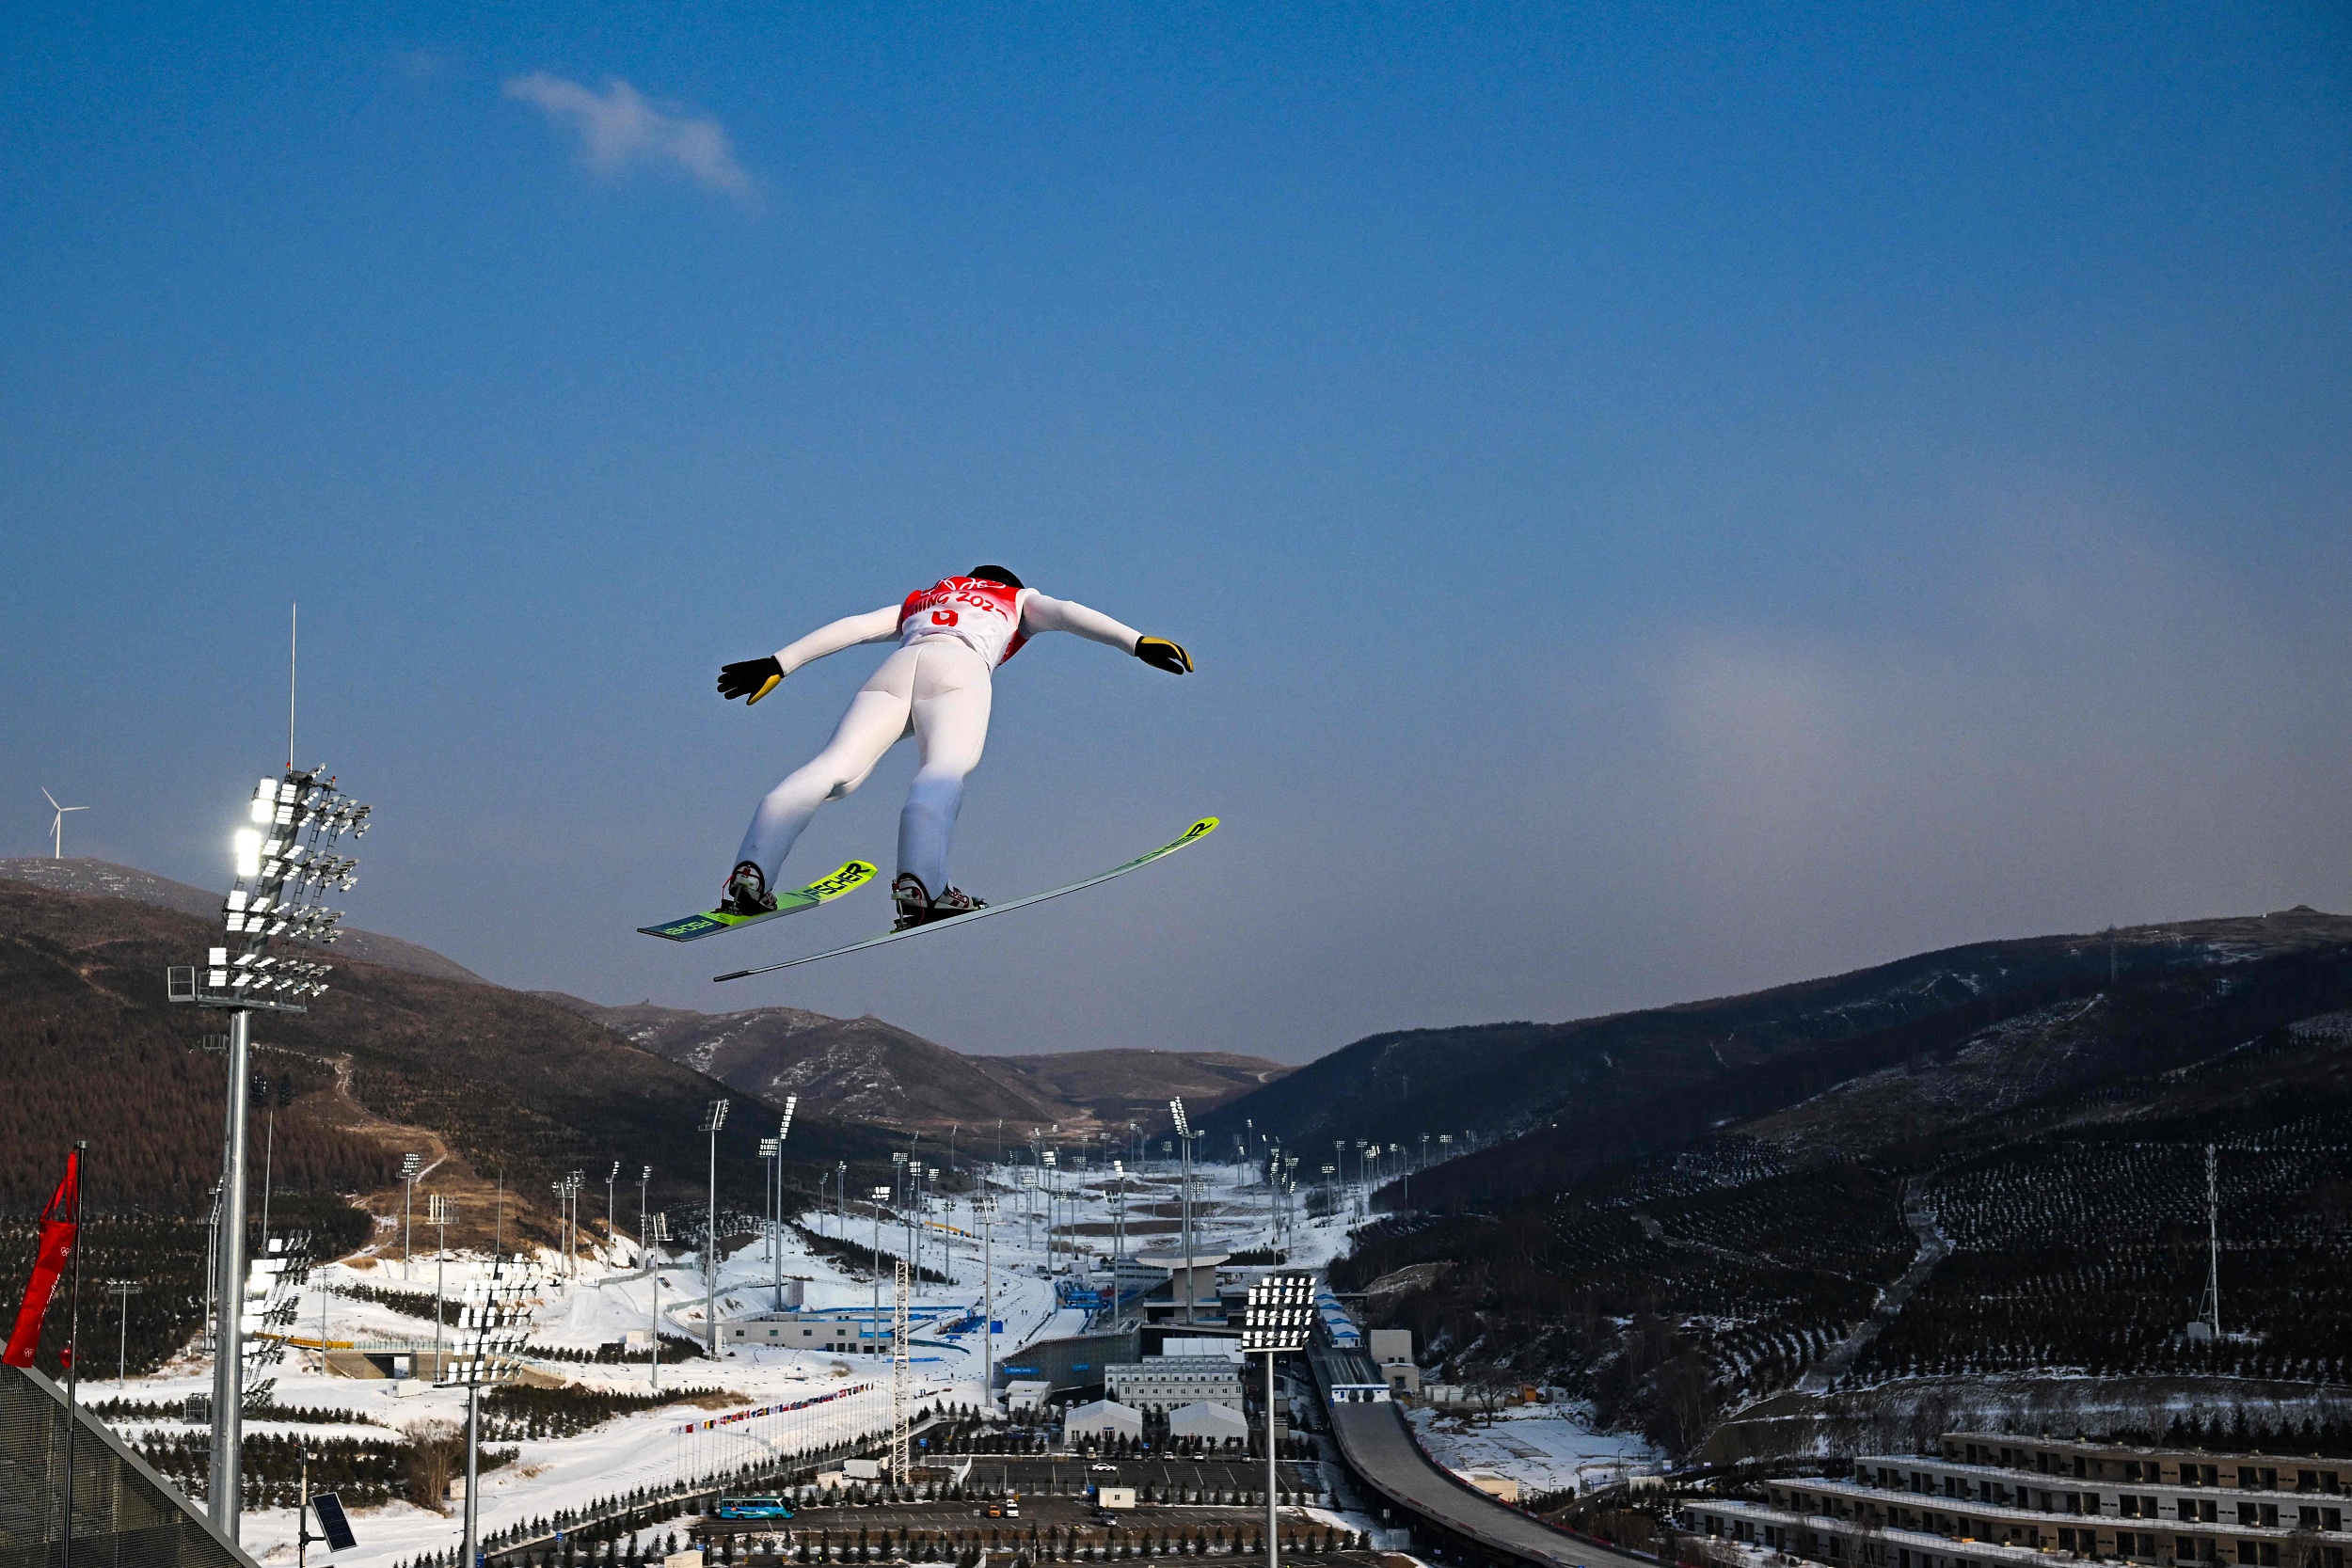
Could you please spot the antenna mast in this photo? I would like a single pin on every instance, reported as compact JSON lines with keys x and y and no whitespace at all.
{"x":2213,"y":1239}
{"x":293,"y":637}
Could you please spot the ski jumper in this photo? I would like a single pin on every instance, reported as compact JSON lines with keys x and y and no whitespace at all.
{"x":937,"y":688}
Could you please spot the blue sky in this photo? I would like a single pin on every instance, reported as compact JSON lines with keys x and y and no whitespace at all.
{"x":1664,"y":501}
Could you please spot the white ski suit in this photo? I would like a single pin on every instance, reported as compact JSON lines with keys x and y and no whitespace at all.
{"x":935,"y":688}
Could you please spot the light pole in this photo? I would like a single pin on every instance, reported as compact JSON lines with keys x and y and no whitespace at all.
{"x":1045,"y":1181}
{"x":879,"y":1196}
{"x":122,"y":1290}
{"x":493,"y":1324}
{"x":984,"y":1209}
{"x":1119,"y":1234}
{"x":1274,"y":1320}
{"x":612,"y":1177}
{"x":1183,"y":1144}
{"x":410,"y":1164}
{"x":285,"y":865}
{"x":661,"y":1232}
{"x":771,"y":1152}
{"x":713,"y":1118}
{"x":645,"y":1178}
{"x":436,"y":1212}
{"x":784,"y":1132}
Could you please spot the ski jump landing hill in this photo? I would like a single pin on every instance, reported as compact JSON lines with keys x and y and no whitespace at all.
{"x":1441,"y":1508}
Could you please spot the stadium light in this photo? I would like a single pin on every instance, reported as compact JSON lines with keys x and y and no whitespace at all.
{"x":1183,"y":1144}
{"x":1277,"y":1316}
{"x":284,"y":865}
{"x":714,"y":1117}
{"x":493,"y":1323}
{"x":775,"y":1231}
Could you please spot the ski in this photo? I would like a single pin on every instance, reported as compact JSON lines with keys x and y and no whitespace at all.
{"x":1200,"y":829}
{"x":855,"y":874}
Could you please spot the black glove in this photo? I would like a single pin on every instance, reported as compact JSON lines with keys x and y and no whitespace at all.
{"x":1160,"y":653}
{"x":752,"y":678}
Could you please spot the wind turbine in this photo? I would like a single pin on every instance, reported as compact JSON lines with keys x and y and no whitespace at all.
{"x":57,"y":825}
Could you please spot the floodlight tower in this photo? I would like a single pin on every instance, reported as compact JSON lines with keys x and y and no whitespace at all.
{"x":660,"y":1233}
{"x":611,"y":1236}
{"x":879,"y":1196}
{"x":411,"y":1166}
{"x":1183,"y":1144}
{"x":492,"y":1326}
{"x":984,"y":1211}
{"x":775,"y":1243}
{"x":1045,"y":1183}
{"x":436,"y":1212}
{"x":644,"y":1178}
{"x":1274,"y":1320}
{"x":713,"y":1118}
{"x":770,"y":1152}
{"x":285,"y":865}
{"x":1118,"y":1221}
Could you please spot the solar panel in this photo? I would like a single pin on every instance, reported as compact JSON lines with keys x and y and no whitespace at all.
{"x":333,"y":1524}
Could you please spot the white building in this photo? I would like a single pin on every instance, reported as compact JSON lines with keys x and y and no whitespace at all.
{"x":1214,"y":1424}
{"x":1393,"y":1350}
{"x":1103,"y":1419}
{"x":1163,"y":1383}
{"x":791,"y":1331}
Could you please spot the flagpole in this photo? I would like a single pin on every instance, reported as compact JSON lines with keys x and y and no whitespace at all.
{"x":73,"y":1350}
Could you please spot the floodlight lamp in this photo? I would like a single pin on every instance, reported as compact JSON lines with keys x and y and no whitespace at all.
{"x":766,"y":1149}
{"x":647,"y":1175}
{"x":247,"y":847}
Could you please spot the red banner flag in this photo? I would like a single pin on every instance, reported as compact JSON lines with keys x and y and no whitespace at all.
{"x":60,"y":1223}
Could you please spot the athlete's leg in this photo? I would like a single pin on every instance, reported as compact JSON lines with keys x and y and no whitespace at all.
{"x":877,"y":719}
{"x":950,"y":713}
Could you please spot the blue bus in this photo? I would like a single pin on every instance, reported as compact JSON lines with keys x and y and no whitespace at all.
{"x":753,"y":1508}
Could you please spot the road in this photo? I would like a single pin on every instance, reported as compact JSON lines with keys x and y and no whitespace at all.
{"x":1374,"y":1440}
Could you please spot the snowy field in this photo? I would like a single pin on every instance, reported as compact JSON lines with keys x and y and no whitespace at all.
{"x":1545,"y":1448}
{"x":611,"y":1296}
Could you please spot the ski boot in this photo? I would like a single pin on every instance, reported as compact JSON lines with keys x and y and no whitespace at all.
{"x":916,"y":907}
{"x":747,"y":892}
{"x":913,"y":899}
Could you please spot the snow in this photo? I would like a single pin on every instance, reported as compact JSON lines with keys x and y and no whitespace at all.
{"x":1545,"y":1448}
{"x":648,"y":1448}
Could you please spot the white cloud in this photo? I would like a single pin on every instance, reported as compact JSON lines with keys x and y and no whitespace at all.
{"x":621,"y":130}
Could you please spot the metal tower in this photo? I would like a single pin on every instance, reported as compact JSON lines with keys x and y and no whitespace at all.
{"x":898,"y":1381}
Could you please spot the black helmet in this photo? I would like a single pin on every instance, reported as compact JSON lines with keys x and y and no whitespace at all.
{"x":994,"y":573}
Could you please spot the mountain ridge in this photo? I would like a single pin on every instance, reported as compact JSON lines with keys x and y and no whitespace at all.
{"x":873,"y":1068}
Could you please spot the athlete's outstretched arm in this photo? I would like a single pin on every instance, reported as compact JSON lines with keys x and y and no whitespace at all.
{"x":753,"y":678}
{"x":1040,"y":613}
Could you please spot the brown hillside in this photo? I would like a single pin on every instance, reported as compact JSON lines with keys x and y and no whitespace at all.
{"x":1117,"y":1086}
{"x":106,"y":879}
{"x":505,"y":1080}
{"x":881,"y":1072}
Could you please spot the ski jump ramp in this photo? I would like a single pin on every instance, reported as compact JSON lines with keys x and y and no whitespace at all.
{"x":1375,"y":1442}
